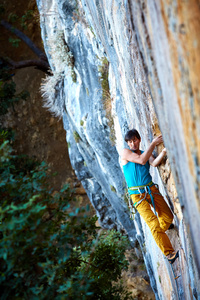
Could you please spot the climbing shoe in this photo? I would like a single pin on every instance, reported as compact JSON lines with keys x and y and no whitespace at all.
{"x":172,"y":257}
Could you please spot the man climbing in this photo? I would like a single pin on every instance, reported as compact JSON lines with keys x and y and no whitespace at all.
{"x":143,"y":192}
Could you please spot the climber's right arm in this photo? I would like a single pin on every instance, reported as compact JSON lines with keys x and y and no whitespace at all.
{"x":127,"y":155}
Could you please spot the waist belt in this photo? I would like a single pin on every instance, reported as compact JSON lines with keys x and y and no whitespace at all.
{"x":147,"y":190}
{"x":139,"y":187}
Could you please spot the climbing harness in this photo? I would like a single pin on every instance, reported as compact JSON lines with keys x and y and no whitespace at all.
{"x":144,"y":189}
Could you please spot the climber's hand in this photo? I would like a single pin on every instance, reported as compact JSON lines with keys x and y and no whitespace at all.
{"x":164,"y":151}
{"x":157,"y":140}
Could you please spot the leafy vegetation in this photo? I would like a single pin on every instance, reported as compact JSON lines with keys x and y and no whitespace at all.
{"x":8,"y":95}
{"x":76,"y":136}
{"x":14,"y":41}
{"x":103,"y":70}
{"x":106,"y":97}
{"x":29,"y":15}
{"x":49,"y":247}
{"x":24,"y":19}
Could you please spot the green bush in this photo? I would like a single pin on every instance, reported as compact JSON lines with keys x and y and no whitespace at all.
{"x":49,"y":247}
{"x":8,"y":95}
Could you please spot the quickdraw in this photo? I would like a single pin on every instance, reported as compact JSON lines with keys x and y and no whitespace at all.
{"x":131,"y":207}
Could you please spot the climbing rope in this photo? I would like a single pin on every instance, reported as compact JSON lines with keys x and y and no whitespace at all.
{"x":148,"y":190}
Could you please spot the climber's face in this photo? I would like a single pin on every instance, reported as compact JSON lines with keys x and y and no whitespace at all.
{"x":134,"y":144}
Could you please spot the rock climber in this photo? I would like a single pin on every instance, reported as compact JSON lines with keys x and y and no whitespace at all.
{"x":144,"y":193}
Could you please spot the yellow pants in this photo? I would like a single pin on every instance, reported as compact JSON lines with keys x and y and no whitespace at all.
{"x":158,"y":225}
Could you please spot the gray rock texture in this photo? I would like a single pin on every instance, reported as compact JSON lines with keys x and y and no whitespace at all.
{"x":122,"y":64}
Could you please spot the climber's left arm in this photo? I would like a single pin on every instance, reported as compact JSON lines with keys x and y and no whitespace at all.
{"x":156,"y":161}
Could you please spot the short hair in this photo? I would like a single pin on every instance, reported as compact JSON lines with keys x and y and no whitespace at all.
{"x":131,"y":134}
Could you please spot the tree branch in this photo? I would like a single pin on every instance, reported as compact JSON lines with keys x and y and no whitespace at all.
{"x":38,"y":63}
{"x":24,"y":38}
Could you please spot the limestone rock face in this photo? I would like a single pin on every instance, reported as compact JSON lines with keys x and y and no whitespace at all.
{"x":123,"y":64}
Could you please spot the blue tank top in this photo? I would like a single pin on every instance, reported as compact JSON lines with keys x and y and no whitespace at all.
{"x":136,"y":174}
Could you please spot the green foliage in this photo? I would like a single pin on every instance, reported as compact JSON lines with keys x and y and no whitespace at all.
{"x":113,"y":189}
{"x":6,"y":134}
{"x":106,"y":97}
{"x":103,"y":70}
{"x":76,"y":136}
{"x":92,"y":30}
{"x":142,"y":267}
{"x":73,"y":75}
{"x":109,"y":260}
{"x":126,"y":196}
{"x":87,"y":91}
{"x":12,"y":17}
{"x":8,"y":95}
{"x":49,"y":247}
{"x":14,"y":41}
{"x":26,"y":18}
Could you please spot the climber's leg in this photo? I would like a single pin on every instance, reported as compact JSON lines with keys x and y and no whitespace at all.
{"x":150,"y":218}
{"x":165,"y":215}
